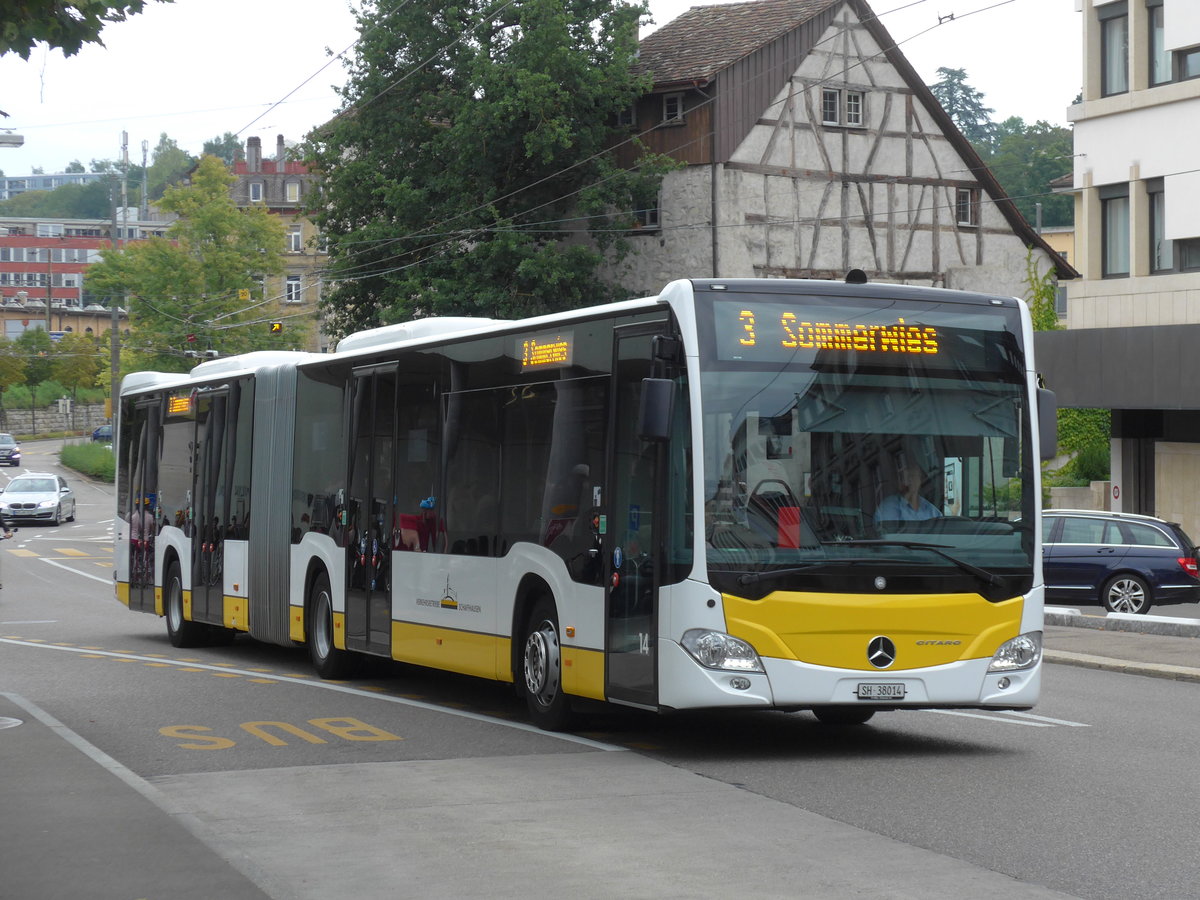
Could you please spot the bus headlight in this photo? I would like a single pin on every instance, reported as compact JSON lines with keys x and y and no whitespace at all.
{"x":1022,"y":652}
{"x":716,"y":650}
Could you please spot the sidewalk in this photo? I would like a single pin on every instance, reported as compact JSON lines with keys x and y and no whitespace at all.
{"x":1158,"y":646}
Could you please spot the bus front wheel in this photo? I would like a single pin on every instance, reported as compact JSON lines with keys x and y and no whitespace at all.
{"x":327,"y":659}
{"x":541,"y":669}
{"x":181,"y":632}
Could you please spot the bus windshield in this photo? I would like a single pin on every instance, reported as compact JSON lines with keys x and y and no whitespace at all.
{"x":881,"y":446}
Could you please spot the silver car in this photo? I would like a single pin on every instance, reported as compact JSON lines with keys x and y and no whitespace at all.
{"x":37,"y":497}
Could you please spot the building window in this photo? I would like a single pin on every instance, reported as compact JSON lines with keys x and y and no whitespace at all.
{"x":291,"y":290}
{"x":1160,"y":56}
{"x":293,"y":191}
{"x":1114,"y":214}
{"x":627,"y":117}
{"x":1187,"y":64}
{"x":647,"y":219}
{"x":840,"y":107}
{"x":1114,"y":49}
{"x":673,"y":108}
{"x":1162,"y":251}
{"x":831,"y":103}
{"x":1189,"y":254}
{"x":295,"y":242}
{"x":256,"y":192}
{"x":854,"y":108}
{"x":49,"y":229}
{"x":966,"y":206}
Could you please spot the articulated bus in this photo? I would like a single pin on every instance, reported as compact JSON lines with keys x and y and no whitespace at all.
{"x":740,"y":493}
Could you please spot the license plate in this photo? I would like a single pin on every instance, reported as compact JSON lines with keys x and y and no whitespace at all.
{"x":868,"y":691}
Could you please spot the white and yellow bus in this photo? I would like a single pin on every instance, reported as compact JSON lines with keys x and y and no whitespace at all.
{"x":707,"y":498}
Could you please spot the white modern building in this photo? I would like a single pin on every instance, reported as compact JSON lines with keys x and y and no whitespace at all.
{"x":1133,"y":319}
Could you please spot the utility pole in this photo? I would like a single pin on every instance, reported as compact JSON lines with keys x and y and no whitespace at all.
{"x":114,"y":331}
{"x":145,"y":182}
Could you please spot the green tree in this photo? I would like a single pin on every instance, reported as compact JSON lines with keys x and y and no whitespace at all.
{"x":74,"y":166}
{"x":227,"y":148}
{"x":1025,"y":159}
{"x":471,"y":143}
{"x":61,"y":23}
{"x":964,"y":104}
{"x":35,"y":346}
{"x":71,"y":201}
{"x":76,"y":363}
{"x":188,"y":283}
{"x":12,"y":369}
{"x":169,"y":163}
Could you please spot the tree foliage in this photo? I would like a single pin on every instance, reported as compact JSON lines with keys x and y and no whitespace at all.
{"x":65,"y":24}
{"x":964,"y":104}
{"x":75,"y":363}
{"x":169,"y":163}
{"x":227,"y":148}
{"x":187,"y":284}
{"x":471,"y":145}
{"x":1025,"y":159}
{"x":70,"y":201}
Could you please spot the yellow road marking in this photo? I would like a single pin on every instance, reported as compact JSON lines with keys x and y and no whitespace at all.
{"x":71,"y":551}
{"x":21,"y":552}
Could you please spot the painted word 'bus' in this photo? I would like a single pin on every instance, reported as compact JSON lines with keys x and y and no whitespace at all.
{"x":750,"y":493}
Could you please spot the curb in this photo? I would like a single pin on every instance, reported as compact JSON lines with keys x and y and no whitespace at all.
{"x":1173,"y":627}
{"x":1151,"y":670}
{"x":1131,"y":624}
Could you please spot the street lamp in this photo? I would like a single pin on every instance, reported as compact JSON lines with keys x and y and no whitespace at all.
{"x":8,"y":139}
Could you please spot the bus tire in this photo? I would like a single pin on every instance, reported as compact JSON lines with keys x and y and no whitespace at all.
{"x":541,"y":669}
{"x":327,"y":659}
{"x":181,"y":632}
{"x":843,"y":715}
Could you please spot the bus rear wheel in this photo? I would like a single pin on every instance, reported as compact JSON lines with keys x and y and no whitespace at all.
{"x":181,"y":632}
{"x":541,"y":669}
{"x":327,"y":659}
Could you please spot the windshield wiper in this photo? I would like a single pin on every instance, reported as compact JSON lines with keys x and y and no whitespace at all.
{"x":989,"y":578}
{"x":756,"y":577}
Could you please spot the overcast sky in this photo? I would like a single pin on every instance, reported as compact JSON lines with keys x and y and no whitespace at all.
{"x":196,"y":69}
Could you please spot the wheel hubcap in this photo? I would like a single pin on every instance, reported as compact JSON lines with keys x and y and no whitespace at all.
{"x":542,"y":664}
{"x":1126,"y":596}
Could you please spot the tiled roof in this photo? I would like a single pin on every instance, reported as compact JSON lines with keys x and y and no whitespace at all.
{"x":706,"y":39}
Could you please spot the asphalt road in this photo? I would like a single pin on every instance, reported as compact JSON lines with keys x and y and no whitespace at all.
{"x":1091,"y":795}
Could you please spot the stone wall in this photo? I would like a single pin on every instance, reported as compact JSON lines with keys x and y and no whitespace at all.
{"x":1094,"y":496}
{"x":46,"y":420}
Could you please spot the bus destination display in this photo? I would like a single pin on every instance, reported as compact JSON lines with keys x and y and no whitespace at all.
{"x":545,"y":351}
{"x":766,"y":329}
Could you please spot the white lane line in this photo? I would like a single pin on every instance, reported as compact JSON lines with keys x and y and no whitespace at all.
{"x":100,"y":578}
{"x":1027,"y":715}
{"x":991,"y":717}
{"x":339,"y":688}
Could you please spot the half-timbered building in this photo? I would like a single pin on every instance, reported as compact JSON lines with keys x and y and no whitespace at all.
{"x":809,"y":146}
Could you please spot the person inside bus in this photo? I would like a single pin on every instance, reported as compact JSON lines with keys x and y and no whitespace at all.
{"x":907,"y":504}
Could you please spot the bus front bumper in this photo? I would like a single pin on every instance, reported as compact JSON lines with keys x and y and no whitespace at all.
{"x":790,"y":684}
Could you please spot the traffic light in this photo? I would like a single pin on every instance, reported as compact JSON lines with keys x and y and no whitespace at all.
{"x":276,"y":328}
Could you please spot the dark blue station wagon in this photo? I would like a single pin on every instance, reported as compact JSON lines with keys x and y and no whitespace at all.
{"x":1125,"y":562}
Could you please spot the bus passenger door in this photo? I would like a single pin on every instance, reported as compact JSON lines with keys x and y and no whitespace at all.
{"x":630,"y":542}
{"x":208,"y":520}
{"x":140,"y":505}
{"x":370,"y":503}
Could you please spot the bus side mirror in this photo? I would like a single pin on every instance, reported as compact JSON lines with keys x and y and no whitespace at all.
{"x":1048,"y":423}
{"x":654,"y":411}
